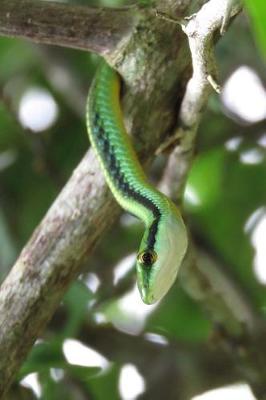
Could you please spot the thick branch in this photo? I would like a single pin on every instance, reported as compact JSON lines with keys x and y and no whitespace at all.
{"x":50,"y":261}
{"x":85,"y":208}
{"x":102,"y":30}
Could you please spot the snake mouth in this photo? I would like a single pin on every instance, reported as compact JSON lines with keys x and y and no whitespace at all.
{"x":145,"y":285}
{"x":146,"y":295}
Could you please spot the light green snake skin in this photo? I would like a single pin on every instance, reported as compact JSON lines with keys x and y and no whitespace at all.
{"x":164,"y":242}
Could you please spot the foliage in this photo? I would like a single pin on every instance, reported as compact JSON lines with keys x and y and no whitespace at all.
{"x":257,"y":10}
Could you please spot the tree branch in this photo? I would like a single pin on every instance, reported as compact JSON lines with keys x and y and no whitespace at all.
{"x":102,"y":30}
{"x":50,"y":262}
{"x":242,"y":330}
{"x":199,"y":281}
{"x":200,"y":30}
{"x":85,"y":208}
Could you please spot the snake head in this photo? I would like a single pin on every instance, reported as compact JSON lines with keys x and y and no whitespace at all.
{"x":157,"y":267}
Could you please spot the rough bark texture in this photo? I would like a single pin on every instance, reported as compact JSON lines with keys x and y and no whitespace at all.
{"x":50,"y":262}
{"x":152,"y":71}
{"x":94,"y":29}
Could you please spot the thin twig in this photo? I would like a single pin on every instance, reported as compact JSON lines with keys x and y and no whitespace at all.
{"x":203,"y":279}
{"x":200,"y":29}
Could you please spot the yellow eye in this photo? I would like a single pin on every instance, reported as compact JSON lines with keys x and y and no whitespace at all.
{"x":147,"y":257}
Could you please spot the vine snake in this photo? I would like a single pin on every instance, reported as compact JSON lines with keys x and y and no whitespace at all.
{"x":164,"y":241}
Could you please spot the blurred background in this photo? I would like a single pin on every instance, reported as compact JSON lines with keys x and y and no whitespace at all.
{"x":103,"y":343}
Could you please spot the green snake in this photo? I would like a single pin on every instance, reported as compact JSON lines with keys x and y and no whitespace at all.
{"x":164,"y":242}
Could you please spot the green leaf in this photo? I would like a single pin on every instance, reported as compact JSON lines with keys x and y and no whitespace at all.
{"x":257,"y":12}
{"x":49,"y":355}
{"x":76,"y":301}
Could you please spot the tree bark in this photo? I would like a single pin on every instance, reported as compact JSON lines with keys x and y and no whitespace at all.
{"x":151,"y":69}
{"x":94,"y":29}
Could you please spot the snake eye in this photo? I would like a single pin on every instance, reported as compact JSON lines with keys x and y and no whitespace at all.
{"x":147,"y":257}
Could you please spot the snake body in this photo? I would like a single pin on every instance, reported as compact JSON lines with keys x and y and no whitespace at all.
{"x":164,"y":241}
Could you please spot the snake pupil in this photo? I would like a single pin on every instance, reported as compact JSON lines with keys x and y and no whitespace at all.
{"x":147,"y":257}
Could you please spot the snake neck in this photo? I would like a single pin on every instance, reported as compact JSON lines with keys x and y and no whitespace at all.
{"x":165,"y":232}
{"x":121,"y":167}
